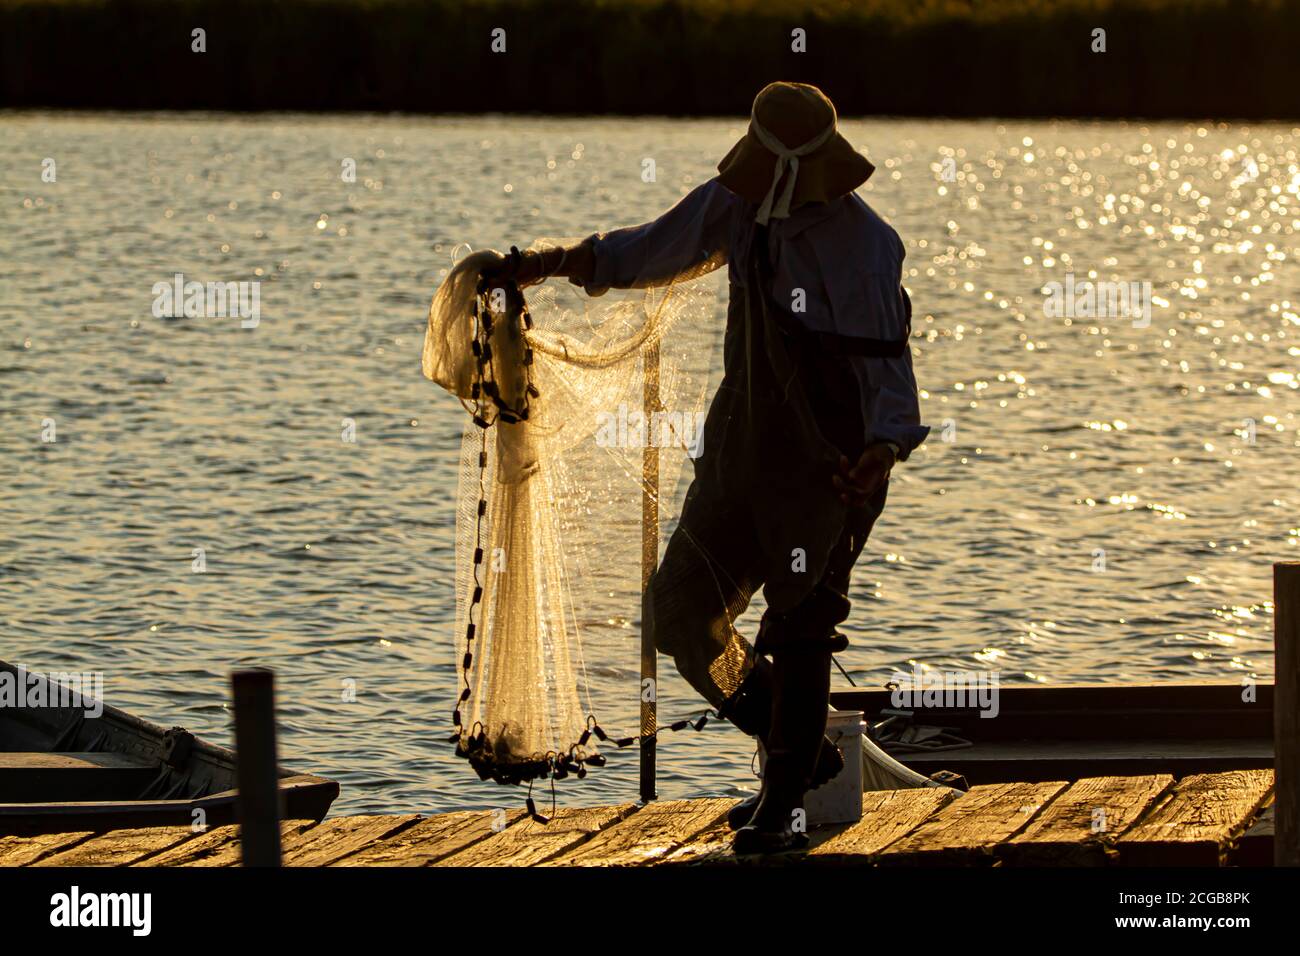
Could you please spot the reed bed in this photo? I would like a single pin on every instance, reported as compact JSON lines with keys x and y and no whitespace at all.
{"x":1164,"y":58}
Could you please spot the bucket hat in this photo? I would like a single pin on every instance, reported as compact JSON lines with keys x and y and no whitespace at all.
{"x":792,"y":153}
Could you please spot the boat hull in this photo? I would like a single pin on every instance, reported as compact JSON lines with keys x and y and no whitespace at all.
{"x":1072,"y":732}
{"x":63,"y":770}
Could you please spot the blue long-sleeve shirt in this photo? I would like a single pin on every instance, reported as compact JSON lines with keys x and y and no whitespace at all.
{"x":836,"y":267}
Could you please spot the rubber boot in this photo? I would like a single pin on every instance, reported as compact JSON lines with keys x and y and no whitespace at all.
{"x":829,"y":764}
{"x":750,"y":709}
{"x":801,"y":683}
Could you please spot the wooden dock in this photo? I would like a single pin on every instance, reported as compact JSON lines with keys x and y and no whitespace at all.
{"x":1201,"y":820}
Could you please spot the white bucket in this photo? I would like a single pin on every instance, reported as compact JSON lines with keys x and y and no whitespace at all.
{"x":840,"y":800}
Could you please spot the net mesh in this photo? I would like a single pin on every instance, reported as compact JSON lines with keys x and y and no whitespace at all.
{"x":549,"y":529}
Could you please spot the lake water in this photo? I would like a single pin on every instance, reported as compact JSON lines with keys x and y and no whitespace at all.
{"x":1105,"y":508}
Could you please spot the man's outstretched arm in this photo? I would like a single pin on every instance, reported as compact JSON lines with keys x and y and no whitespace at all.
{"x":687,"y":240}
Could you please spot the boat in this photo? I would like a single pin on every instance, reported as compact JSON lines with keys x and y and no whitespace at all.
{"x":90,"y":766}
{"x":1067,"y":732}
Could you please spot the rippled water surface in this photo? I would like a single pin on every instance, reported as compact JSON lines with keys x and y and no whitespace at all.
{"x":1105,"y":507}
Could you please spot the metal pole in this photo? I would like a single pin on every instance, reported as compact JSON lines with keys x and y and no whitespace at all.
{"x":1286,"y":713}
{"x":649,"y":559}
{"x":257,"y":775}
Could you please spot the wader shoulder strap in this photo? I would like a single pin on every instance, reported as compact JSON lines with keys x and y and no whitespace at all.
{"x":831,"y":343}
{"x":836,"y":344}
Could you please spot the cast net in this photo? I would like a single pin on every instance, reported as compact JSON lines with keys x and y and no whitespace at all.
{"x":549,"y":530}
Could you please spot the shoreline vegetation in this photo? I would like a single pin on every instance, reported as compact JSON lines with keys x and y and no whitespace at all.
{"x":1193,"y":59}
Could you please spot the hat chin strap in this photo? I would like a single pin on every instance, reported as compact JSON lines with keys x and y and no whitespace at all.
{"x":785,"y":158}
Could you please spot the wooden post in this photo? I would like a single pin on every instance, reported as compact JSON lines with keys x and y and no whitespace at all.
{"x":1286,"y":713}
{"x":257,"y":771}
{"x":649,"y":559}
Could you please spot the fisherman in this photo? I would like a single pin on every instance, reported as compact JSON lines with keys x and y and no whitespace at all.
{"x":818,"y":403}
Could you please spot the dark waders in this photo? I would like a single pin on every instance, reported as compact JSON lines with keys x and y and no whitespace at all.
{"x":762,"y":512}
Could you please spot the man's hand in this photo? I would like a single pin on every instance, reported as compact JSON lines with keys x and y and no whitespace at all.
{"x":522,"y":268}
{"x":857,"y":483}
{"x":577,"y":263}
{"x":531,"y":269}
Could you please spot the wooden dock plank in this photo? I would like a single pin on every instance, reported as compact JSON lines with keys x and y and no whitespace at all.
{"x":1198,"y":821}
{"x":189,"y":852}
{"x":229,"y":852}
{"x":120,"y":847}
{"x":528,"y":842}
{"x":335,"y":839}
{"x":966,"y":830}
{"x":649,"y":834}
{"x":710,"y":847}
{"x":432,"y":839}
{"x":887,"y":816}
{"x":26,"y":850}
{"x":1077,"y":827}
